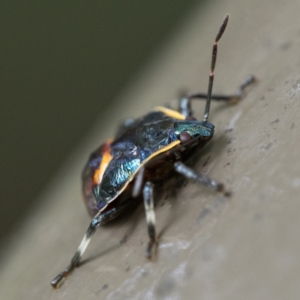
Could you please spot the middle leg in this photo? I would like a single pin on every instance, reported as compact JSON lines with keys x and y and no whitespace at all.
{"x":150,"y":217}
{"x":100,"y":219}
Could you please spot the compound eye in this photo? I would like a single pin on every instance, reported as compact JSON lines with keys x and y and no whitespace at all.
{"x":184,"y":137}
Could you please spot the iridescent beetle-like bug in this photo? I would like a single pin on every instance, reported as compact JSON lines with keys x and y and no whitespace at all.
{"x":143,"y":152}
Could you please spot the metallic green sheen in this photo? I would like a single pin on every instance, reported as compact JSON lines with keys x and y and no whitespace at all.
{"x":194,"y":128}
{"x":133,"y":144}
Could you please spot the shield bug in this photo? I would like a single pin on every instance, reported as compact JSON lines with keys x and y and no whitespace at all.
{"x":143,"y":152}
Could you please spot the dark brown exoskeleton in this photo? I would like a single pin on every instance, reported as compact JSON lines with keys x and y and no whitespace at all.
{"x":143,"y":152}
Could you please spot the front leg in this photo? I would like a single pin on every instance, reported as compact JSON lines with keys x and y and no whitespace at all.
{"x":96,"y":222}
{"x":100,"y":219}
{"x":189,"y":173}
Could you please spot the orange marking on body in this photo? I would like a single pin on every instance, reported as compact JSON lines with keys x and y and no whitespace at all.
{"x":106,"y":158}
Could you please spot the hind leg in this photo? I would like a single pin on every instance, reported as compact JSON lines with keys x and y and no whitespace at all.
{"x":100,"y":219}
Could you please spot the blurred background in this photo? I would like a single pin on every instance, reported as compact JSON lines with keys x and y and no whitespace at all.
{"x":72,"y":70}
{"x":61,"y":64}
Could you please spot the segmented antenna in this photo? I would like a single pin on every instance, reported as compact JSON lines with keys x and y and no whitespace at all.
{"x":212,"y":68}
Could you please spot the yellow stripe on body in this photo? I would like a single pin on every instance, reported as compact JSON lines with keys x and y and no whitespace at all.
{"x":170,"y":112}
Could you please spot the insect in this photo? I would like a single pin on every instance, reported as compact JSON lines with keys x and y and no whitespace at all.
{"x":143,"y":152}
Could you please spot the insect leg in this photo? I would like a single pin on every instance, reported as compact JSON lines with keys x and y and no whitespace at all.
{"x":150,"y":217}
{"x":199,"y":177}
{"x":185,"y":107}
{"x":233,"y":99}
{"x":98,"y":220}
{"x":138,"y":183}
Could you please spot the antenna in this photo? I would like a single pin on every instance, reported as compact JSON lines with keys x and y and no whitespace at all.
{"x":212,"y":68}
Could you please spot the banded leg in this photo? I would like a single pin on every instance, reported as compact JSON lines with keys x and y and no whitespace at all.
{"x":199,"y":177}
{"x":150,"y":217}
{"x":185,"y":103}
{"x":100,"y":219}
{"x":138,"y":184}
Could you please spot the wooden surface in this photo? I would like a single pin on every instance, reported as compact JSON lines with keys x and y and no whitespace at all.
{"x":243,"y":247}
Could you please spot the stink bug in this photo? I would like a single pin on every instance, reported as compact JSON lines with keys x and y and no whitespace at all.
{"x":143,"y":152}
